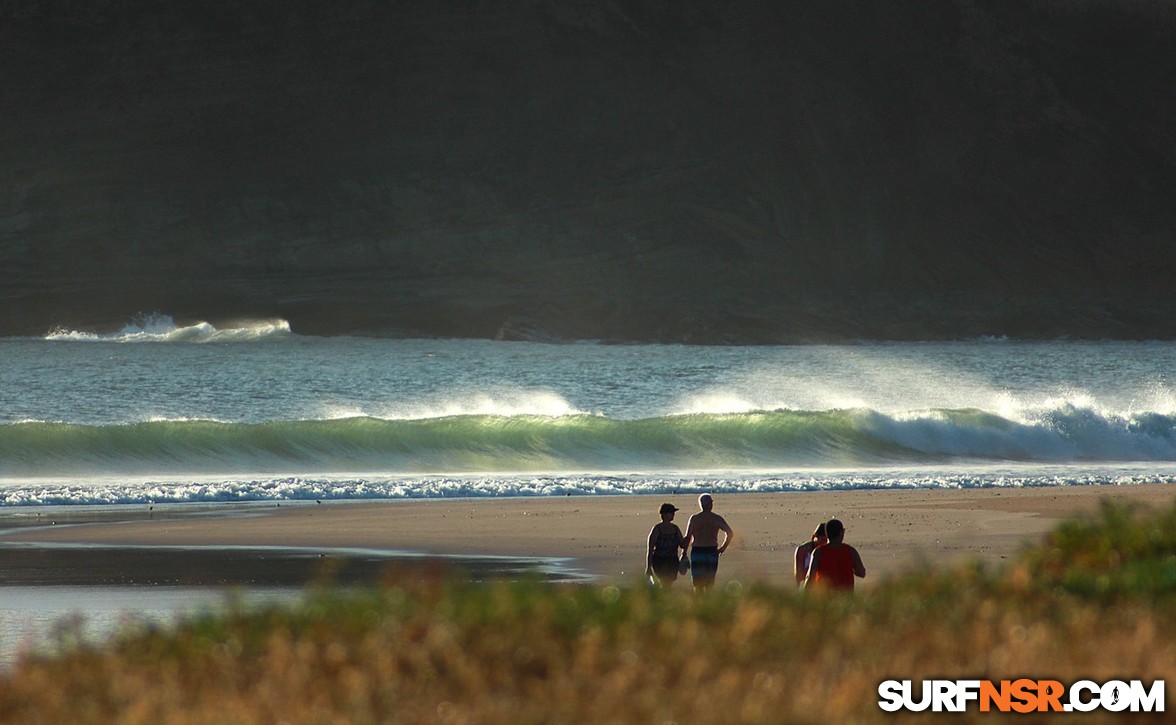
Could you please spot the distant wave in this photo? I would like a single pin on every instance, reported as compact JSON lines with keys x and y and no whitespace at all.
{"x":162,"y":328}
{"x":775,"y":440}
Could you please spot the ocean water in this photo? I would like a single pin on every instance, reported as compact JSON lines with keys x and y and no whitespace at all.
{"x":163,"y":413}
{"x":43,"y":618}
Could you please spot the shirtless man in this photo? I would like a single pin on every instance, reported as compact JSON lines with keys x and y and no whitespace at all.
{"x":702,"y":533}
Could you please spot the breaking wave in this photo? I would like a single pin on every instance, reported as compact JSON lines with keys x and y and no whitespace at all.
{"x":765,"y":440}
{"x":162,"y":328}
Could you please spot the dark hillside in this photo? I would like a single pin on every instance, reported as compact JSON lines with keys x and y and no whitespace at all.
{"x":751,"y":171}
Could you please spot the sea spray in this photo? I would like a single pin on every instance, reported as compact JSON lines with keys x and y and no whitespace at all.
{"x":162,"y":328}
{"x":287,"y":416}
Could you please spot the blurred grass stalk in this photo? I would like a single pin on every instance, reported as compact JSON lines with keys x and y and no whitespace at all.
{"x":1096,"y":599}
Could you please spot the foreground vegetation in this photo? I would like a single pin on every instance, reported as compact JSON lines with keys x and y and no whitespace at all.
{"x":1096,"y":599}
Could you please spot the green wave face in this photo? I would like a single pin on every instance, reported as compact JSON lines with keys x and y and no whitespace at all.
{"x":776,"y":439}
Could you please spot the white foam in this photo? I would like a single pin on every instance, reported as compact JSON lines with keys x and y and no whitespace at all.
{"x":123,"y":490}
{"x":162,"y":328}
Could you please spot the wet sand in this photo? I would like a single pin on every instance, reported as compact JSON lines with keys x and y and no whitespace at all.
{"x":270,"y":544}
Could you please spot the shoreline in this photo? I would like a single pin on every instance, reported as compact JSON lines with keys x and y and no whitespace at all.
{"x":252,"y":544}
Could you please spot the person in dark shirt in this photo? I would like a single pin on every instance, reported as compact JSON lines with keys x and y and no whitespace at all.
{"x":666,"y":542}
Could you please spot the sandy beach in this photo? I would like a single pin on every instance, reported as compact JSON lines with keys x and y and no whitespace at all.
{"x":598,"y":536}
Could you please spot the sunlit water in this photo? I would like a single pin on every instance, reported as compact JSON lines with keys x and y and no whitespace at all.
{"x":44,"y":619}
{"x":160,"y":413}
{"x":256,"y":413}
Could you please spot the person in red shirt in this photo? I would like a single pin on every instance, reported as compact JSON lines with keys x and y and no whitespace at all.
{"x":835,"y":564}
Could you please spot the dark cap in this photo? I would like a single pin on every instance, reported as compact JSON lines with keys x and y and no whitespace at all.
{"x":667,"y":508}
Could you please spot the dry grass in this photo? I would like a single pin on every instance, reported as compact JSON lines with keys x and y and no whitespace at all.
{"x":1096,"y":600}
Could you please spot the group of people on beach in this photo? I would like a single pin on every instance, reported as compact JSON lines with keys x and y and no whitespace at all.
{"x":700,"y":548}
{"x":825,"y":561}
